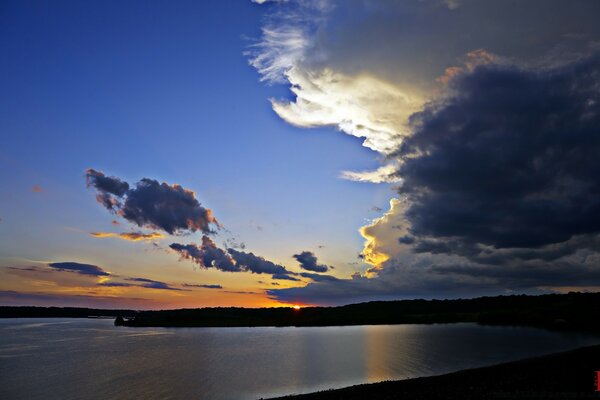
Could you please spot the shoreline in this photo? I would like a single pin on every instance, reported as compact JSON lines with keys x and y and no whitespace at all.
{"x":563,"y":375}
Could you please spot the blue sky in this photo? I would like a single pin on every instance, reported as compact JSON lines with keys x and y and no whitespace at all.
{"x":164,"y":92}
{"x":258,"y":109}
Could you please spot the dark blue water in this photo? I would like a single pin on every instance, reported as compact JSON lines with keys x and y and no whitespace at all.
{"x":91,"y":359}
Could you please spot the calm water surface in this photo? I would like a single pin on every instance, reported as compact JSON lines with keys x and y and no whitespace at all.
{"x":91,"y":359}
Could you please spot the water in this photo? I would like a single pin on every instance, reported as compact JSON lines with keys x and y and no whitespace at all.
{"x":91,"y":359}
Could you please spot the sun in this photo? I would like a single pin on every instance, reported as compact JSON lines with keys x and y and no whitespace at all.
{"x":296,"y":307}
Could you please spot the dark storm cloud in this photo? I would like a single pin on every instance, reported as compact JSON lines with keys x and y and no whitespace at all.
{"x":502,"y":182}
{"x":308,"y":261}
{"x":442,"y":281}
{"x":534,"y":274}
{"x":195,"y":285}
{"x":495,"y":256}
{"x":509,"y":161}
{"x":83,"y":269}
{"x":206,"y":255}
{"x":171,"y":208}
{"x":256,"y":264}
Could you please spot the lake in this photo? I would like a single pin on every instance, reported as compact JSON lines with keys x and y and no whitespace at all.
{"x":92,"y":359}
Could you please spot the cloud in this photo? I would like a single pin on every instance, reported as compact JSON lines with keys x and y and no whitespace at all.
{"x":499,"y":192}
{"x":383,"y":174}
{"x":151,"y":204}
{"x":167,"y":207}
{"x":36,"y":189}
{"x":241,"y":292}
{"x":151,"y":284}
{"x":284,"y":277}
{"x":365,"y":67}
{"x":83,"y":269}
{"x":318,"y":277}
{"x":433,"y":280}
{"x":106,"y":184}
{"x":255,"y":264}
{"x":130,"y":236}
{"x":289,"y":51}
{"x":362,"y":106}
{"x":204,"y":286}
{"x":308,"y":261}
{"x":509,"y":161}
{"x":116,"y":284}
{"x":206,"y":255}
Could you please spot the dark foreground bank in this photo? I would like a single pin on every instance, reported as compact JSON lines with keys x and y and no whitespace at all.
{"x":568,"y":375}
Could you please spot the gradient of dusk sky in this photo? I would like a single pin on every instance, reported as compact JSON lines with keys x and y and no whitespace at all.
{"x":351,"y":150}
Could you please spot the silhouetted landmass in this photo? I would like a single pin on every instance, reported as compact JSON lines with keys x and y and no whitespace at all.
{"x":578,"y":311}
{"x":568,"y":375}
{"x":573,"y":311}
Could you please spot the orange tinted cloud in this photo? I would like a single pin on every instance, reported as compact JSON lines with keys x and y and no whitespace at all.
{"x":36,"y":189}
{"x":131,"y":236}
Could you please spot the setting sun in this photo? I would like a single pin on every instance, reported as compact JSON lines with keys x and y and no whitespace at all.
{"x":296,"y":307}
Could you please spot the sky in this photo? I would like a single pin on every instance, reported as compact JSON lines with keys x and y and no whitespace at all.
{"x":312,"y":152}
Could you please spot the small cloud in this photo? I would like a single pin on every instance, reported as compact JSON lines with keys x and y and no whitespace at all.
{"x":106,"y":184}
{"x":206,"y":255}
{"x":151,"y":284}
{"x":384,"y":174}
{"x":376,"y":209}
{"x":152,"y":204}
{"x":204,"y":286}
{"x":115,"y":222}
{"x":115,"y":284}
{"x":308,"y":261}
{"x":130,"y":236}
{"x":30,"y":269}
{"x":285,"y":277}
{"x":36,"y":189}
{"x":241,"y":292}
{"x":256,"y":264}
{"x":318,"y":277}
{"x":452,"y":4}
{"x":83,"y":269}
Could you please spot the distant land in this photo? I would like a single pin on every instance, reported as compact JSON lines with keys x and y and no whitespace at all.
{"x":567,"y":375}
{"x":572,"y":311}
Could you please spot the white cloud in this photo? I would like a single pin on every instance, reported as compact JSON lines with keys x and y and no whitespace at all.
{"x":361,"y":105}
{"x":383,"y":174}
